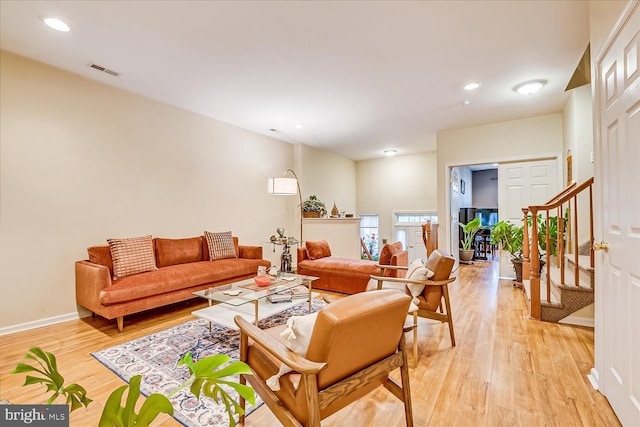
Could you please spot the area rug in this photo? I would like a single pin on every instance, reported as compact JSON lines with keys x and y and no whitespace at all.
{"x":155,"y":357}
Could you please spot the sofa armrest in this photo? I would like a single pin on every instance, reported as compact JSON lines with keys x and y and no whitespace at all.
{"x":90,"y":280}
{"x":250,"y":252}
{"x":302,"y":253}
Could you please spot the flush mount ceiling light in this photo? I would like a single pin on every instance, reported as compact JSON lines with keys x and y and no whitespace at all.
{"x":472,"y":86}
{"x":56,"y":24}
{"x":299,"y":126}
{"x":390,"y":152}
{"x":530,"y":87}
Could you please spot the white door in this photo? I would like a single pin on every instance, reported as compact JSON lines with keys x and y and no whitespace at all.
{"x":617,"y":180}
{"x":454,"y":243}
{"x":415,"y":244}
{"x":520,"y":185}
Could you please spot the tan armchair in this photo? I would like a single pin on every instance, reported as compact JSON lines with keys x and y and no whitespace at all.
{"x":435,"y":291}
{"x":356,"y":342}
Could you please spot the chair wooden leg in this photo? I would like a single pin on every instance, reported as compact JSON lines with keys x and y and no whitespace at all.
{"x":406,"y":389}
{"x":445,"y":291}
{"x":242,"y":403}
{"x":313,"y":402}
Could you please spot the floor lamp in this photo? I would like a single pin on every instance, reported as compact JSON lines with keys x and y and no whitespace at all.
{"x":287,"y":187}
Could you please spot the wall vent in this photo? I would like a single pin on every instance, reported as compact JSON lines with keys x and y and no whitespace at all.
{"x":104,"y":70}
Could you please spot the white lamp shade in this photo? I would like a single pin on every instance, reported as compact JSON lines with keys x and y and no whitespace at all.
{"x":283,"y":186}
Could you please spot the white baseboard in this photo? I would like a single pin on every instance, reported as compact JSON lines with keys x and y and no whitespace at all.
{"x":589,"y":322}
{"x":594,"y":378}
{"x":40,"y":323}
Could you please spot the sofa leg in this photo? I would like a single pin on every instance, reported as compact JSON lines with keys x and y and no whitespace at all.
{"x":120,"y":321}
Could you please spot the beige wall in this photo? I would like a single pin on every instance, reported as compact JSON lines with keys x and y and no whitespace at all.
{"x":402,"y":183}
{"x":515,"y":140}
{"x":82,"y":161}
{"x":330,"y":177}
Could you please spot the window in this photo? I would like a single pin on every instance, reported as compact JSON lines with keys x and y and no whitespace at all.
{"x":416,"y":218}
{"x":369,"y":235}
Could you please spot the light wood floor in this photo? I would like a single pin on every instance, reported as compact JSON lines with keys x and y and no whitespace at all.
{"x":505,"y":370}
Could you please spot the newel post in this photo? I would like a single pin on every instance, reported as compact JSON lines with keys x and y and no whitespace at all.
{"x":526,"y":261}
{"x":534,"y":271}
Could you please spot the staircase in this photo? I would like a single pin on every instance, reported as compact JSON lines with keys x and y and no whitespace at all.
{"x":568,"y":298}
{"x":568,"y":280}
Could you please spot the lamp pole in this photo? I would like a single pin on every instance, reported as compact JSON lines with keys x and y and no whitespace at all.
{"x":299,"y":198}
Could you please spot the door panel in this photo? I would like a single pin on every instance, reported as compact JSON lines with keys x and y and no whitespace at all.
{"x":617,"y":179}
{"x":454,"y":243}
{"x":520,"y":185}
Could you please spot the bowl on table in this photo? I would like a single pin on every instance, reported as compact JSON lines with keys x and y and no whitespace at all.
{"x":262,"y":280}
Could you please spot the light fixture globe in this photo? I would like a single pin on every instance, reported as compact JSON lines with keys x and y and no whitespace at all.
{"x":530,"y":87}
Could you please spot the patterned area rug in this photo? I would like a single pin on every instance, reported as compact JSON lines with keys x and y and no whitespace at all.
{"x":155,"y":357}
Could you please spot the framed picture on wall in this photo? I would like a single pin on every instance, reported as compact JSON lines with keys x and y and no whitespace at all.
{"x":462,"y":186}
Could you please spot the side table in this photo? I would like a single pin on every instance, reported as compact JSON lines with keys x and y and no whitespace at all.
{"x":285,"y":258}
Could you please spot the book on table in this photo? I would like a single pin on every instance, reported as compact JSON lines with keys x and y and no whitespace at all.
{"x":299,"y":292}
{"x":280,"y":297}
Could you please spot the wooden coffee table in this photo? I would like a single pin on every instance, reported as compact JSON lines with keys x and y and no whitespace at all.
{"x":248,"y":299}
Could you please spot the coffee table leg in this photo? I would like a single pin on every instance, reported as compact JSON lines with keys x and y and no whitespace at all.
{"x":255,"y":304}
{"x":309,"y":296}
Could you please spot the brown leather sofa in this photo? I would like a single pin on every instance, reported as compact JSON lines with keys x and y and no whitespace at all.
{"x":183,"y":267}
{"x":345,"y":275}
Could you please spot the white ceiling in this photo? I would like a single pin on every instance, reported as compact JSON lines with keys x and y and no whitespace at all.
{"x":362,"y":76}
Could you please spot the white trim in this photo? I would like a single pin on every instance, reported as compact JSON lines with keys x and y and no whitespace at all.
{"x":589,"y":322}
{"x":594,"y":378}
{"x":48,"y":321}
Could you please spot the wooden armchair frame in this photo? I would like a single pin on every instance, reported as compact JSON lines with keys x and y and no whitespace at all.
{"x":318,"y":400}
{"x":434,"y":315}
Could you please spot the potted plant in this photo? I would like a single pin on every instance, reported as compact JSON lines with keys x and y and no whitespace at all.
{"x":510,"y":238}
{"x":469,"y":231}
{"x":207,"y":375}
{"x":313,"y":208}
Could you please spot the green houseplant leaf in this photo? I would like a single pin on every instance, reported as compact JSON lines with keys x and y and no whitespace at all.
{"x":125,"y":416}
{"x":75,"y":395}
{"x":206,"y":379}
{"x":469,"y":231}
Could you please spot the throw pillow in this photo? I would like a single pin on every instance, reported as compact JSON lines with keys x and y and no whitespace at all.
{"x":297,"y":336}
{"x":419,"y":272}
{"x":178,"y":251}
{"x":220,"y":245}
{"x":318,"y":249}
{"x":131,"y":256}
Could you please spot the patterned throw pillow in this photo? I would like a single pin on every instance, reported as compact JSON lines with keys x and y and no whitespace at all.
{"x":220,"y":245}
{"x":131,"y":256}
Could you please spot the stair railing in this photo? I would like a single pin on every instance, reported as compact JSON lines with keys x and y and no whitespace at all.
{"x":531,"y":250}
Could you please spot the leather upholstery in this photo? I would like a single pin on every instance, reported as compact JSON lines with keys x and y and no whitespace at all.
{"x":349,"y":335}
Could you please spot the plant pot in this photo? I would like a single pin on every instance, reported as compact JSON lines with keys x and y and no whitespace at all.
{"x":466,"y":255}
{"x":517,"y":267}
{"x":311,"y":214}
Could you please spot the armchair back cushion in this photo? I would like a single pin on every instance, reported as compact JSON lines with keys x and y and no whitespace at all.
{"x":392,"y":254}
{"x":441,"y":264}
{"x":357,"y":331}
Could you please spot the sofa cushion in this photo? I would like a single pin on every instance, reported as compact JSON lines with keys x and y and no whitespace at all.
{"x":343,"y":266}
{"x":221,"y":245}
{"x":178,"y":251}
{"x":132,"y":256}
{"x":318,"y":249}
{"x":179,"y":276}
{"x":101,"y":255}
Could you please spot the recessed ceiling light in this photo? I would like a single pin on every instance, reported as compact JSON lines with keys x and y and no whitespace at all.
{"x":390,"y":152}
{"x":299,"y":126}
{"x":530,"y":87}
{"x":472,"y":86}
{"x":56,"y":24}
